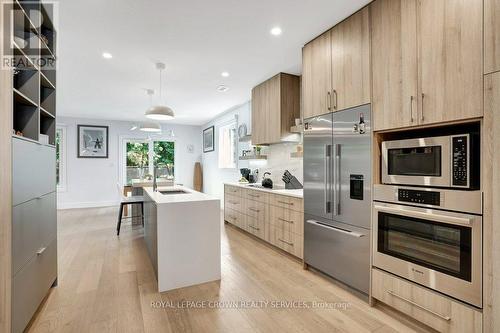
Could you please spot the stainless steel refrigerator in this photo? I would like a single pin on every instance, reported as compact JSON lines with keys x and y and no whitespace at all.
{"x":337,"y":195}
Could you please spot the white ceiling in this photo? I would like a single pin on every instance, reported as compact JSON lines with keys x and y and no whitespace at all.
{"x":196,"y":39}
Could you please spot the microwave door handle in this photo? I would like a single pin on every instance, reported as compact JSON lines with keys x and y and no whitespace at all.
{"x":428,"y":216}
{"x":336,"y":180}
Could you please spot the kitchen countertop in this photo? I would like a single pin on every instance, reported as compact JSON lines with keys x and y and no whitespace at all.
{"x":276,"y":190}
{"x":190,"y":196}
{"x":146,"y":182}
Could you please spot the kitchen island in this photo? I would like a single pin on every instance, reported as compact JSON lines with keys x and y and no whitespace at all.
{"x":182,"y":234}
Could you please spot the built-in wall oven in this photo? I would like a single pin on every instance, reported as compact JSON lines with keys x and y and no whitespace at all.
{"x":419,"y":234}
{"x":443,"y":161}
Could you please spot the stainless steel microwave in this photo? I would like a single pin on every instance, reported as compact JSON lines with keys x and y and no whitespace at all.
{"x":444,"y":161}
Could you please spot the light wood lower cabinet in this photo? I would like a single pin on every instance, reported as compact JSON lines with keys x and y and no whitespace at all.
{"x":277,"y":219}
{"x":435,"y":310}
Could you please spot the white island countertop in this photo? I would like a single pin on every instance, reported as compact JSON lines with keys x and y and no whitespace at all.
{"x":189,"y":195}
{"x":277,"y":190}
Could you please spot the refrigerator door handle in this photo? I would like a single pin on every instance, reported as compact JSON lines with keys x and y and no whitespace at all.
{"x":328,"y":161}
{"x":342,"y":231}
{"x":336,"y":180}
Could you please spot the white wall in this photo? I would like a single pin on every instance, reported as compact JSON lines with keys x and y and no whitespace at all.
{"x":92,"y":182}
{"x":278,"y":160}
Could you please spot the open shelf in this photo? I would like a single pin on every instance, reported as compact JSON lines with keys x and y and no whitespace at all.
{"x":44,"y":81}
{"x":48,"y":126}
{"x":26,"y":119}
{"x":48,"y":99}
{"x":20,"y":98}
{"x":25,"y":82}
{"x":253,"y":157}
{"x":47,"y":32}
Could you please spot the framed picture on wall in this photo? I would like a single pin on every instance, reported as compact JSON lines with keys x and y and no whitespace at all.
{"x":208,"y":140}
{"x":93,"y":141}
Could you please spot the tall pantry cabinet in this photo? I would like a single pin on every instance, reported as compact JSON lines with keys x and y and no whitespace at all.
{"x":28,"y":227}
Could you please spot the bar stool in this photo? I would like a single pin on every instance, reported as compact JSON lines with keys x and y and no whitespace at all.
{"x":125,"y":201}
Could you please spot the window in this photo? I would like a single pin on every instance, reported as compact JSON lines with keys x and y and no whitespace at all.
{"x":141,"y":156}
{"x":61,"y":158}
{"x":228,"y":146}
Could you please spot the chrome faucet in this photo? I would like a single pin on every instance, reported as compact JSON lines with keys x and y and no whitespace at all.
{"x":155,"y":184}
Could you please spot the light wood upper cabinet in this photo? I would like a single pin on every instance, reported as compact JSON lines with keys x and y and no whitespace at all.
{"x":450,"y":52}
{"x":275,"y":105}
{"x":350,"y":42}
{"x":394,"y":63}
{"x":491,"y":36}
{"x":317,"y":76}
{"x":426,"y":61}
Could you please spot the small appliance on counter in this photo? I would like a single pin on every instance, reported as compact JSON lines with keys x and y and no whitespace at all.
{"x":245,"y":173}
{"x":267,"y":182}
{"x":291,"y":182}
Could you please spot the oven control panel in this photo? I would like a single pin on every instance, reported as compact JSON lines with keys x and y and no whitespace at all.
{"x":420,"y":197}
{"x":460,"y":170}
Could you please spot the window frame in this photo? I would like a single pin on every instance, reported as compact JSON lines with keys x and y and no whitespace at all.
{"x":122,"y":165}
{"x":230,"y":123}
{"x":63,"y":153}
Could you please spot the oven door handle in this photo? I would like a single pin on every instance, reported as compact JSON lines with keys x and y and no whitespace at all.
{"x":428,"y":216}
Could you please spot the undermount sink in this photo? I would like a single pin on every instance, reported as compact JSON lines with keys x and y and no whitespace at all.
{"x":173,"y":192}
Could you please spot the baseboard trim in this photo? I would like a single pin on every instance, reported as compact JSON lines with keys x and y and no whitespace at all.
{"x":75,"y":205}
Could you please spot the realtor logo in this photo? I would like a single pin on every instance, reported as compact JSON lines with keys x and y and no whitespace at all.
{"x":30,"y":30}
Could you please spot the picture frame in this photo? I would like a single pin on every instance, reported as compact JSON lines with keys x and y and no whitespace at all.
{"x":209,"y":139}
{"x":92,"y":141}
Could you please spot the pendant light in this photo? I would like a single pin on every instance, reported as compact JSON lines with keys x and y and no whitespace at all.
{"x":151,"y":127}
{"x":160,"y":112}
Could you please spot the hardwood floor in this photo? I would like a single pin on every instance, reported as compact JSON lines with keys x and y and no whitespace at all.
{"x":107,"y":284}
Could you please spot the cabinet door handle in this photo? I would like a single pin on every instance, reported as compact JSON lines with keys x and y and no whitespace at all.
{"x":447,"y":318}
{"x":254,"y":210}
{"x":422,"y":116}
{"x":285,"y":203}
{"x":411,"y":108}
{"x":336,"y":97}
{"x":284,"y":241}
{"x":233,"y":202}
{"x":329,"y":101}
{"x":40,"y":251}
{"x":253,"y":195}
{"x":287,"y":221}
{"x":254,"y":228}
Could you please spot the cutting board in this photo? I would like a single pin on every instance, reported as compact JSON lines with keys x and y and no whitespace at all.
{"x":198,"y":177}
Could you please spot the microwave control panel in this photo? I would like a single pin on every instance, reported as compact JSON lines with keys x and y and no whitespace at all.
{"x":460,"y":152}
{"x":420,"y":197}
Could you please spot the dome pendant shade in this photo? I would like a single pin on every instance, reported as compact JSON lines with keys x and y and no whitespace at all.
{"x":150,"y":127}
{"x":160,"y":112}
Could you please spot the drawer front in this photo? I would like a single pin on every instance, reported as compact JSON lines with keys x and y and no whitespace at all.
{"x":288,"y":220}
{"x":256,"y":227}
{"x":31,"y":284}
{"x":235,"y":218}
{"x":284,"y":201}
{"x":26,"y":184}
{"x":254,"y":195}
{"x":233,"y":190}
{"x":287,"y":241}
{"x":34,"y":225}
{"x":424,"y":305}
{"x":256,"y":209}
{"x":234,"y":203}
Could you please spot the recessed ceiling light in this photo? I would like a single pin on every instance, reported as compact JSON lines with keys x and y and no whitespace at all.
{"x":222,"y":88}
{"x":276,"y":31}
{"x":107,"y":55}
{"x":224,"y":74}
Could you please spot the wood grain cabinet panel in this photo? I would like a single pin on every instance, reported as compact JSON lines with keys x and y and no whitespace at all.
{"x":287,"y":241}
{"x":317,"y":76}
{"x":451,"y":60}
{"x":350,"y":42}
{"x":286,"y":219}
{"x":233,"y":190}
{"x":491,"y":36}
{"x":275,"y":105}
{"x":394,"y":64}
{"x":234,"y":203}
{"x":437,"y":311}
{"x":254,"y":195}
{"x":296,"y":204}
{"x":235,"y":218}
